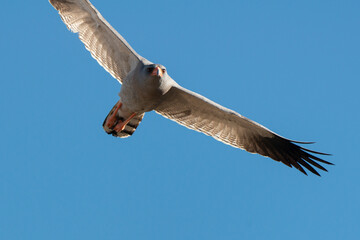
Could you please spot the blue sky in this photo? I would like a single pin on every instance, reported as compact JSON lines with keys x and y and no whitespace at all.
{"x":292,"y":66}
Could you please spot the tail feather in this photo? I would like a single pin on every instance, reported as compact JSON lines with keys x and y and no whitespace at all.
{"x":129,"y":128}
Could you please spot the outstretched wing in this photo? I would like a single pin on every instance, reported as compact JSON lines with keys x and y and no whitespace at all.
{"x":199,"y":113}
{"x":106,"y":45}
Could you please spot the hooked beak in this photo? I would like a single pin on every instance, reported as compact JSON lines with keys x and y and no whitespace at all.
{"x":157,"y":72}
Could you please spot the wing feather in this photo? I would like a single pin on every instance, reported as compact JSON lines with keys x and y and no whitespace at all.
{"x":201,"y":114}
{"x":105,"y":44}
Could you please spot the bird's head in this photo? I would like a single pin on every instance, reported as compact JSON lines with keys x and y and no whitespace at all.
{"x":155,"y":71}
{"x":153,"y":76}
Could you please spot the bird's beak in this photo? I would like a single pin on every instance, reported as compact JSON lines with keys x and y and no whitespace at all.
{"x":157,"y":72}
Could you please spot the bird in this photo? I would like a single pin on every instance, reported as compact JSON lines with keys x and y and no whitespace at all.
{"x":147,"y":86}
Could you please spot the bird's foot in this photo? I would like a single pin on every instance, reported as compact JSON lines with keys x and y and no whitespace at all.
{"x":112,"y":119}
{"x":122,"y":124}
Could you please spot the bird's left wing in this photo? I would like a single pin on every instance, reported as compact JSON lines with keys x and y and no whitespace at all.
{"x":106,"y":45}
{"x":199,"y":113}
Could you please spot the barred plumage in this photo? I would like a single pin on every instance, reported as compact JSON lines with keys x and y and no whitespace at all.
{"x":129,"y":128}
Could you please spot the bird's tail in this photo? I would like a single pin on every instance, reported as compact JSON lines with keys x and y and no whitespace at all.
{"x":114,"y":118}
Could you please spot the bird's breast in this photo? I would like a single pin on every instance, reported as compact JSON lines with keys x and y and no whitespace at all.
{"x":140,"y":98}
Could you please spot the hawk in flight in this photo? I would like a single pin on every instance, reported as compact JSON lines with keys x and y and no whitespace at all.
{"x":147,"y":86}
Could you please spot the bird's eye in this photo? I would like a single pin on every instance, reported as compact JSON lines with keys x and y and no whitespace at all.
{"x":164,"y":70}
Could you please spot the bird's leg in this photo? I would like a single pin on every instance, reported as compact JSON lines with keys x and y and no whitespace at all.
{"x":112,"y":118}
{"x":121,"y":125}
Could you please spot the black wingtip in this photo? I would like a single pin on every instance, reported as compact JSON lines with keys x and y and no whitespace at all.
{"x":299,"y":142}
{"x":320,"y":153}
{"x":298,"y":167}
{"x":293,"y":155}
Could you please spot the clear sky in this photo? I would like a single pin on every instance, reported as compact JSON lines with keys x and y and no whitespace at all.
{"x":292,"y":66}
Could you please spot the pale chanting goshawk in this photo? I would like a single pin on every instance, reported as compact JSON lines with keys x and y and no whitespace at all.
{"x":147,"y":86}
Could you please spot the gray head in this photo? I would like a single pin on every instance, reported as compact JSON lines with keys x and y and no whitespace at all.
{"x":154,"y":71}
{"x":152,"y":76}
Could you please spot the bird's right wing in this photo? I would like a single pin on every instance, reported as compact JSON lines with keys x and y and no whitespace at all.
{"x":105,"y":44}
{"x":201,"y":114}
